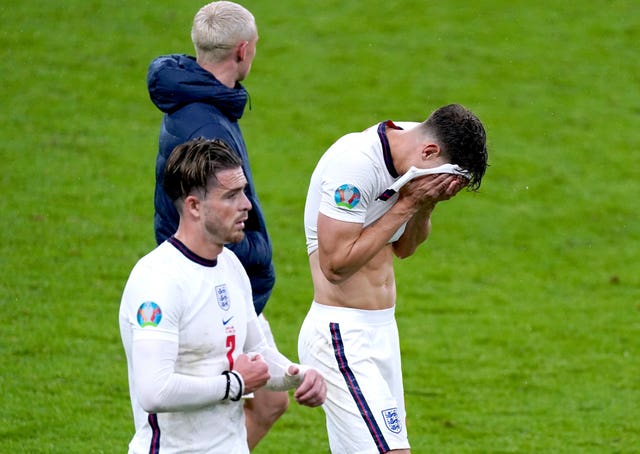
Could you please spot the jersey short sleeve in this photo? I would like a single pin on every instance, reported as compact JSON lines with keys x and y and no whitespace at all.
{"x":347,"y":187}
{"x":152,"y":304}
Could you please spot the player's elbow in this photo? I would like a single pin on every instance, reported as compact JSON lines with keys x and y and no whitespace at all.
{"x":335,"y":267}
{"x":150,"y":401}
{"x":406,"y":246}
{"x":333,"y":274}
{"x":404,"y":249}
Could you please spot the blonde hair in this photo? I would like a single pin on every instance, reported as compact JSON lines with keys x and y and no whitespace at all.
{"x":218,"y":27}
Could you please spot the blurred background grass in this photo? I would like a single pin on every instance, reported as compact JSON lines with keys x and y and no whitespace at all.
{"x":519,"y":319}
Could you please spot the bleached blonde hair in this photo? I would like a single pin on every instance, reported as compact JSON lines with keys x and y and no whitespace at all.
{"x":218,"y":27}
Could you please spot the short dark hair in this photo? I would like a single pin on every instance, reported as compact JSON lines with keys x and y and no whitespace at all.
{"x":462,"y":138}
{"x":193,"y":163}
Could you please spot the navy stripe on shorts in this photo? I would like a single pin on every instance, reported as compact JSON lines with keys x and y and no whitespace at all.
{"x":154,"y":447}
{"x":354,"y":389}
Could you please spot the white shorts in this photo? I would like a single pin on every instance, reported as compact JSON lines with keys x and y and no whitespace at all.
{"x":358,"y":353}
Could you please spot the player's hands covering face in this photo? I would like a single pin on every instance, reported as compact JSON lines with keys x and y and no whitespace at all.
{"x":431,"y":189}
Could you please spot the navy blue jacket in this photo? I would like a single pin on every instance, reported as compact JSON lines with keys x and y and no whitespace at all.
{"x":196,"y":104}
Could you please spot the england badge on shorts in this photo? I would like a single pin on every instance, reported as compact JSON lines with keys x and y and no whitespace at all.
{"x":222,"y":297}
{"x":391,"y":420}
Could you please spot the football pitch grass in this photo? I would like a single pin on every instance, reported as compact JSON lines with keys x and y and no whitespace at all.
{"x":519,"y":318}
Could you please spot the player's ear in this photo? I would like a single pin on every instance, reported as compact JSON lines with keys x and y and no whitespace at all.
{"x":191,"y":206}
{"x":430,"y":150}
{"x":241,"y":51}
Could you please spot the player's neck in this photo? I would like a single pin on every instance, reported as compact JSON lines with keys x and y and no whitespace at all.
{"x":225,"y":72}
{"x":199,"y":245}
{"x":400,"y":148}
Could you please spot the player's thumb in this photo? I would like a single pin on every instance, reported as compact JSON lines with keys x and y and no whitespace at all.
{"x":255,"y":357}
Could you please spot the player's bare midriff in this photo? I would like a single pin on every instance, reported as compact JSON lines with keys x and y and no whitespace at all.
{"x":373,"y":287}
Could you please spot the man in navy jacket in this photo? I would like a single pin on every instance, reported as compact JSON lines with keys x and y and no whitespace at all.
{"x":203,"y":97}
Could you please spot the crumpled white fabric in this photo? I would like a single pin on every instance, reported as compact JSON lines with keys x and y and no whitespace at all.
{"x":414,"y":172}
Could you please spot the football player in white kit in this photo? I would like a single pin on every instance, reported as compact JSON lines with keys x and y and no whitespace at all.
{"x":192,"y":339}
{"x":358,"y":215}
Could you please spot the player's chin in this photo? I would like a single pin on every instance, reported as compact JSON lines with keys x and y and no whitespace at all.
{"x":237,"y":236}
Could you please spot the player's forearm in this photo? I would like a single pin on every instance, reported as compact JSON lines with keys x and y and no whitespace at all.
{"x":183,"y":392}
{"x":416,"y":232}
{"x":285,"y":381}
{"x":158,"y":388}
{"x":255,"y":343}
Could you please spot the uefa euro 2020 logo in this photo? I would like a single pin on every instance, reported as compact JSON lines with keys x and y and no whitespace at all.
{"x":347,"y":196}
{"x":149,"y":314}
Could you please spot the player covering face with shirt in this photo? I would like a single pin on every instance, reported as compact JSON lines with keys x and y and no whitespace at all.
{"x":371,"y":197}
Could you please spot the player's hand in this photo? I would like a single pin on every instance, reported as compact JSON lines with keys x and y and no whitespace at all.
{"x":430,"y":189}
{"x":254,"y":371}
{"x":312,"y":391}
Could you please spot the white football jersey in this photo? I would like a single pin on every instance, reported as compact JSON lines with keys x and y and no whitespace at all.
{"x":348,"y":179}
{"x":204,"y":306}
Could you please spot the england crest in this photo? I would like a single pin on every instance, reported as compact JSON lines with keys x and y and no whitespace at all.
{"x":222,"y":297}
{"x":391,"y":420}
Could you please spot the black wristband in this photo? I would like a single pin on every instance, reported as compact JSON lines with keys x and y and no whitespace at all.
{"x":241,"y":390}
{"x":226,"y":393}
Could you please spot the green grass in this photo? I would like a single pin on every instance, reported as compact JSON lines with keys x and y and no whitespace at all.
{"x":519,"y":319}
